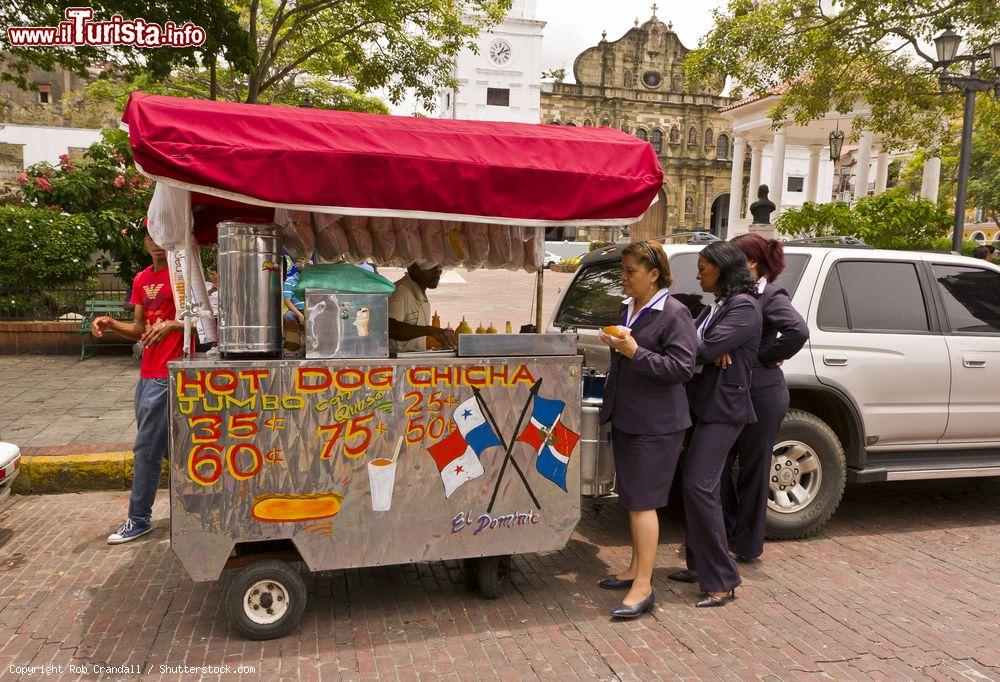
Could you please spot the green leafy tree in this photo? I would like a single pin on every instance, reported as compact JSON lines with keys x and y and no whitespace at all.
{"x":831,"y":55}
{"x":337,"y":51}
{"x":226,"y":38}
{"x":984,"y":165}
{"x":395,"y":45}
{"x":42,"y":250}
{"x":891,"y":220}
{"x":106,"y":190}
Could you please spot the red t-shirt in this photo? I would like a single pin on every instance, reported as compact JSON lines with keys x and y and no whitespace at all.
{"x":153,"y":292}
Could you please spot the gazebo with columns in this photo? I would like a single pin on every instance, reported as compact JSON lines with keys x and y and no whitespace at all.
{"x":770,"y":143}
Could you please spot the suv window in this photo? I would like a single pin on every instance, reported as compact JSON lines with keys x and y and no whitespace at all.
{"x":873,"y":296}
{"x":686,"y":289}
{"x":594,"y":298}
{"x":971,"y":298}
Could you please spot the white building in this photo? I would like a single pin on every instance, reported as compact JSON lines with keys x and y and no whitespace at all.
{"x":46,"y":143}
{"x":503,"y":81}
{"x":794,"y":160}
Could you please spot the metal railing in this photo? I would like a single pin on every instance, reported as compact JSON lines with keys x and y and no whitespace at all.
{"x":69,"y":303}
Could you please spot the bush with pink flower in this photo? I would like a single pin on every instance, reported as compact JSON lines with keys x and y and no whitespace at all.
{"x":105,"y":189}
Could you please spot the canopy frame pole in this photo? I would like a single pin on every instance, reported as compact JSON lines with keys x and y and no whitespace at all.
{"x":539,"y":289}
{"x":188,"y":311}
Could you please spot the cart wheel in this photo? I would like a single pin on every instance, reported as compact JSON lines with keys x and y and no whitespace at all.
{"x":266,"y":599}
{"x":492,"y":571}
{"x":470,"y":568}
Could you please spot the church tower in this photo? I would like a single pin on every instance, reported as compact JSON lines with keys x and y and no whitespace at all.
{"x":503,"y":81}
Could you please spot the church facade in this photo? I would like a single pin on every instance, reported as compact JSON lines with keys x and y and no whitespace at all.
{"x":637,"y":84}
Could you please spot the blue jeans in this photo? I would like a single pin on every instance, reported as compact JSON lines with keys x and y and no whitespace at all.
{"x":152,"y":411}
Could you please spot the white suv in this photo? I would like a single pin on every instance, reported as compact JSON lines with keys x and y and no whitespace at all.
{"x":900,"y":379}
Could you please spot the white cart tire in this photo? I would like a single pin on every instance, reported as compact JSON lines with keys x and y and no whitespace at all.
{"x":266,"y":599}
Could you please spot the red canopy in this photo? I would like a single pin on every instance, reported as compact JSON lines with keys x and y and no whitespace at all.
{"x":370,"y":164}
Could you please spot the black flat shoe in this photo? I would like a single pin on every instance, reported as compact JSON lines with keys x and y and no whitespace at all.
{"x":717,"y":599}
{"x":743,"y":558}
{"x":626,"y":611}
{"x":613,"y":583}
{"x":683,"y":577}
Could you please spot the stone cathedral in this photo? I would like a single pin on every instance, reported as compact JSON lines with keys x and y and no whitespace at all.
{"x":636,"y":84}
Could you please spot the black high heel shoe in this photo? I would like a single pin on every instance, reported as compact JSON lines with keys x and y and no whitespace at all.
{"x":613,"y":583}
{"x":636,"y":610}
{"x":683,"y":577}
{"x":717,"y":599}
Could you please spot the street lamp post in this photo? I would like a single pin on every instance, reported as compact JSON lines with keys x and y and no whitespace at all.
{"x":946,"y":45}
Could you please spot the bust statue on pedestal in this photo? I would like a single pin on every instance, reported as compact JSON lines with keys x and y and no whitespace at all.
{"x":762,"y":209}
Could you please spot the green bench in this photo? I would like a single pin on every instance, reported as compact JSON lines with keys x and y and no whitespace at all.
{"x":94,"y":308}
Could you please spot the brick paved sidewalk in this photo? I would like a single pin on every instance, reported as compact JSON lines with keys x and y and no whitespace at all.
{"x":902,"y":584}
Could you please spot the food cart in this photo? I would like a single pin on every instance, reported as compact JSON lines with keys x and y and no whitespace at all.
{"x":342,"y":456}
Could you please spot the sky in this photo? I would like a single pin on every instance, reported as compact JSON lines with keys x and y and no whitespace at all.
{"x":574,"y":25}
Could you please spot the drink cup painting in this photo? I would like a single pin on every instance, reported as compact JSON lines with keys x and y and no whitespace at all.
{"x":382,"y":478}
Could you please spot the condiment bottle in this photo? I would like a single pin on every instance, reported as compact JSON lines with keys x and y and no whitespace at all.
{"x":480,"y":329}
{"x":509,"y":330}
{"x":491,"y":329}
{"x":463,"y":328}
{"x":433,"y":343}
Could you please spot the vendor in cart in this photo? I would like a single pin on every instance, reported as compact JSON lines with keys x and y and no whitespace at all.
{"x":410,"y":312}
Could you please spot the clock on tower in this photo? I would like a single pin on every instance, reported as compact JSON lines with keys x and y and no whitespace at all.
{"x":500,"y":52}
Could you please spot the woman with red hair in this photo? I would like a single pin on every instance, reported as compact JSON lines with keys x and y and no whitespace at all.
{"x":784,"y":333}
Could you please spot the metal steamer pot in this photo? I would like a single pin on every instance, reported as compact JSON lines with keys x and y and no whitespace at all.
{"x":249,"y":289}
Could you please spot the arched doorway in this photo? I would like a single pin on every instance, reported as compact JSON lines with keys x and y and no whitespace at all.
{"x":720,"y":216}
{"x":654,"y":223}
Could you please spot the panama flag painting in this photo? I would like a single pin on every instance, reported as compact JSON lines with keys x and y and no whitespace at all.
{"x":457,"y":455}
{"x":552,"y":441}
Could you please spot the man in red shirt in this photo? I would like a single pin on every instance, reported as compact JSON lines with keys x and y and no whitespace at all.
{"x":156,"y":326}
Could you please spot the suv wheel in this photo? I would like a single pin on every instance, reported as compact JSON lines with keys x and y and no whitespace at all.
{"x":808,"y":473}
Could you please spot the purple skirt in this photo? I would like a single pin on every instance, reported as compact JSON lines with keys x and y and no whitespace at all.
{"x":644,"y":468}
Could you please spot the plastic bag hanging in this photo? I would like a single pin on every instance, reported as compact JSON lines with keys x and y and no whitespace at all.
{"x":296,"y":232}
{"x":170,"y":218}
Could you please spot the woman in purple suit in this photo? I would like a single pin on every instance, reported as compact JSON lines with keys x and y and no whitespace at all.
{"x":645,"y":401}
{"x":784,"y":333}
{"x":722,"y":407}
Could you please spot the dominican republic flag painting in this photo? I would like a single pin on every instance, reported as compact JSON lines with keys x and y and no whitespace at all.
{"x":552,"y":441}
{"x":457,"y":455}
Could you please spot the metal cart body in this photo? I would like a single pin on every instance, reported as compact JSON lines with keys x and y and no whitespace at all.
{"x":300,"y":450}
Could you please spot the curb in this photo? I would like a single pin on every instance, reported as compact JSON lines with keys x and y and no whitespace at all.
{"x":67,"y":473}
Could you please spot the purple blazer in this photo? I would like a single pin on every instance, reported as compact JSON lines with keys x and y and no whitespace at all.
{"x":778,"y":317}
{"x":723,"y":395}
{"x":645,"y":395}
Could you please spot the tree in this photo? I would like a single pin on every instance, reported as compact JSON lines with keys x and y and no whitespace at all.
{"x":393,"y":45}
{"x":829,"y":55}
{"x":342,"y":47}
{"x":106,"y":190}
{"x":891,"y":220}
{"x":984,"y":165}
{"x":557,"y":75}
{"x":226,"y":38}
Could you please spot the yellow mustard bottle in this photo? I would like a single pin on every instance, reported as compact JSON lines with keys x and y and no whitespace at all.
{"x":463,"y":328}
{"x":491,"y":329}
{"x":433,"y":343}
{"x":509,"y":330}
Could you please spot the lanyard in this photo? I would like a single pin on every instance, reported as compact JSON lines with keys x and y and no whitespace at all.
{"x":712,"y":310}
{"x":635,"y":320}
